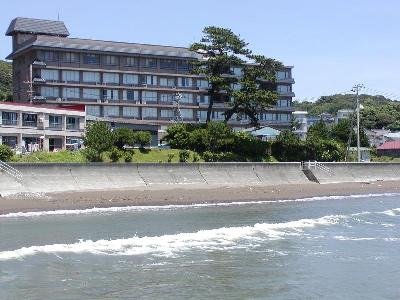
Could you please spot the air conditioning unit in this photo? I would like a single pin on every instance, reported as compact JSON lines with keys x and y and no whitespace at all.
{"x":98,"y":101}
{"x":174,"y":87}
{"x":58,"y":99}
{"x":41,"y":120}
{"x":64,"y":99}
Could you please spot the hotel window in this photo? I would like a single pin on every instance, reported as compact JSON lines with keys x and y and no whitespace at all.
{"x":203,"y":99}
{"x":72,"y":123}
{"x":283,"y":89}
{"x":167,"y":64}
{"x":91,"y":94}
{"x":110,"y":94}
{"x":164,"y":81}
{"x":237,"y":71}
{"x":93,"y":110}
{"x":202,"y":115}
{"x":93,"y":77}
{"x":148,"y":79}
{"x":130,"y":95}
{"x":49,"y":75}
{"x":29,"y":120}
{"x":203,"y":84}
{"x":167,"y":113}
{"x":166,"y":97}
{"x":183,"y":65}
{"x":48,"y":56}
{"x":149,"y":96}
{"x":218,"y":115}
{"x":130,"y":79}
{"x":71,"y":93}
{"x":283,"y":103}
{"x":70,"y":76}
{"x":148,"y":63}
{"x":187,"y":113}
{"x":132,"y":112}
{"x":55,"y":121}
{"x":91,"y":59}
{"x":187,"y":98}
{"x":9,"y":118}
{"x":47,"y":91}
{"x":70,"y":57}
{"x":111,"y":60}
{"x":185,"y":81}
{"x":283,"y":75}
{"x":110,"y":78}
{"x":149,"y":112}
{"x":111,"y":111}
{"x":132,"y":61}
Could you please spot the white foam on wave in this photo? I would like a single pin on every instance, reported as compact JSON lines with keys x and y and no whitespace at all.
{"x":395,"y":212}
{"x":106,"y":210}
{"x":350,"y":238}
{"x":224,"y":238}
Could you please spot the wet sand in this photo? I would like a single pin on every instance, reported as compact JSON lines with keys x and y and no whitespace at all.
{"x":189,"y":194}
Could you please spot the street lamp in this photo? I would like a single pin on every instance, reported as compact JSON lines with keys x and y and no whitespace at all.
{"x":356,"y":89}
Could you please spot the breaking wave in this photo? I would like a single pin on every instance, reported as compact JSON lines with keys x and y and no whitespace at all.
{"x":105,"y":210}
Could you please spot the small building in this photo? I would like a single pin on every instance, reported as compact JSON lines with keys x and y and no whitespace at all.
{"x":301,"y":118}
{"x":392,"y":136}
{"x":377,"y":137}
{"x":264,"y":133}
{"x":28,"y":128}
{"x":389,"y":148}
{"x":343,"y":114}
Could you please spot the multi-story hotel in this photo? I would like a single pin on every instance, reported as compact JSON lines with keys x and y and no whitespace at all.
{"x":129,"y":84}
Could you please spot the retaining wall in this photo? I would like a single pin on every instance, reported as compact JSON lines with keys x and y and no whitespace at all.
{"x":56,"y":177}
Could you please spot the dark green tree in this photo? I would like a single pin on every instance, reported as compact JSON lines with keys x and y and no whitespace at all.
{"x":98,"y":139}
{"x":123,"y":136}
{"x":142,"y":138}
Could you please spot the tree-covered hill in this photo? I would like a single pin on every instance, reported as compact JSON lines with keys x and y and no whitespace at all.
{"x":378,"y":111}
{"x":5,"y":80}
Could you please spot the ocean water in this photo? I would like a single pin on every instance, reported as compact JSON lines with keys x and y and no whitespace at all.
{"x":316,"y":248}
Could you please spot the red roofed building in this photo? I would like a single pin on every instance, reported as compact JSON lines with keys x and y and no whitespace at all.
{"x":391,"y":148}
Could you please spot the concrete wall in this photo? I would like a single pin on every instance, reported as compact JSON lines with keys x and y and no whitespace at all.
{"x":54,"y":177}
{"x":357,"y":172}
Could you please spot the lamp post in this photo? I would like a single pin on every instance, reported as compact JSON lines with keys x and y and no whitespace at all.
{"x":356,"y":89}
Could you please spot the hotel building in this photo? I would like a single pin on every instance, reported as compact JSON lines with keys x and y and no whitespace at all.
{"x":128,"y":84}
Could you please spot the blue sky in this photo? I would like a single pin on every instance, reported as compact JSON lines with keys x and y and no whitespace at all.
{"x":332,"y":43}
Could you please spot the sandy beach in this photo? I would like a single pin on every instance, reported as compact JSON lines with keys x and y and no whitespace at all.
{"x":188,"y":194}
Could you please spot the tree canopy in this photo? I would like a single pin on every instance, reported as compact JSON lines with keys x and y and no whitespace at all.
{"x":5,"y":81}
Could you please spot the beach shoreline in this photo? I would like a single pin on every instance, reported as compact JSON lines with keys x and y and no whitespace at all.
{"x":187,"y":194}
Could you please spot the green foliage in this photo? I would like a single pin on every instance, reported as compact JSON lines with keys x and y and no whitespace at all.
{"x":6,"y":153}
{"x":170,"y":157}
{"x":5,"y":81}
{"x":177,"y":136}
{"x":224,"y":49}
{"x":184,"y":155}
{"x":123,"y":136}
{"x":99,"y":137}
{"x":196,"y":157}
{"x":209,"y":156}
{"x":115,"y":154}
{"x":92,"y":154}
{"x":128,"y":156}
{"x":342,"y":131}
{"x":249,"y":146}
{"x":142,"y":138}
{"x":288,"y":147}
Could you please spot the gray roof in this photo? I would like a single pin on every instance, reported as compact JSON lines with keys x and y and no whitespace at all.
{"x":37,"y":26}
{"x":43,"y":41}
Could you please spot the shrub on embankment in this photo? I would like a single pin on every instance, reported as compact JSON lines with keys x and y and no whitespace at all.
{"x":6,"y":153}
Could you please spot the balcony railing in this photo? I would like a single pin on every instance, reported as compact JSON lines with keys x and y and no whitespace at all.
{"x":9,"y":122}
{"x":29,"y":123}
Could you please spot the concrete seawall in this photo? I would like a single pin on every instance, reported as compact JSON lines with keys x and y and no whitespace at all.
{"x":356,"y":172}
{"x":57,"y":177}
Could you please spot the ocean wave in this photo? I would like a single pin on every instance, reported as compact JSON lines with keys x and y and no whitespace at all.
{"x":224,"y":238}
{"x":107,"y":210}
{"x":395,"y":212}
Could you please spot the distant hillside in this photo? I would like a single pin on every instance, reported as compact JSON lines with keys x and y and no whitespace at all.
{"x":378,"y":111}
{"x":5,"y":81}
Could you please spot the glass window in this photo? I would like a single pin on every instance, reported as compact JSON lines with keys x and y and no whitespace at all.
{"x":149,"y":79}
{"x":55,"y":121}
{"x":130,"y":79}
{"x":167,"y":113}
{"x":10,"y":141}
{"x":48,"y":56}
{"x":71,"y":93}
{"x":71,"y":76}
{"x":72,"y":123}
{"x":185,"y":81}
{"x":110,"y":78}
{"x":111,"y":60}
{"x":91,"y":94}
{"x":47,"y":91}
{"x":132,"y":61}
{"x":187,"y":113}
{"x":148,"y":63}
{"x":167,"y":64}
{"x":49,"y":75}
{"x":237,"y":71}
{"x":93,"y":110}
{"x":166,"y":97}
{"x":283,"y":88}
{"x":187,"y":98}
{"x":283,"y":75}
{"x":167,"y":81}
{"x":183,"y":65}
{"x":112,"y":111}
{"x":218,"y":115}
{"x":130,"y":95}
{"x":130,"y":112}
{"x":70,"y":57}
{"x":202,"y":115}
{"x":91,"y":59}
{"x":203,"y":84}
{"x":29,"y":120}
{"x":93,"y":77}
{"x":110,"y":94}
{"x":9,"y":118}
{"x":203,"y":99}
{"x":149,"y":112}
{"x":149,"y":96}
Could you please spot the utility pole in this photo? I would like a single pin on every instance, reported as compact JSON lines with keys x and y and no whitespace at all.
{"x":356,"y":89}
